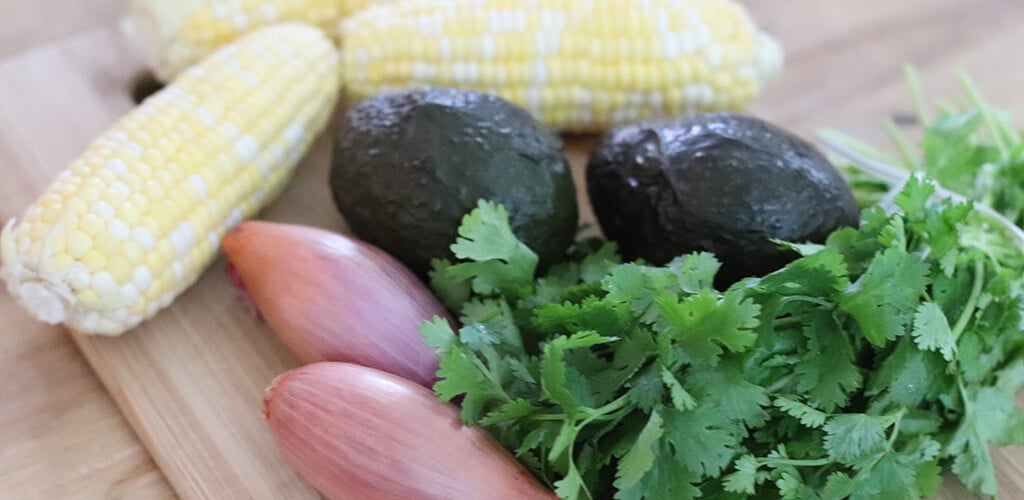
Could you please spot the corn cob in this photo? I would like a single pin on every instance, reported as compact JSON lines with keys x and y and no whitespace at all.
{"x":177,"y":34}
{"x":575,"y":64}
{"x":132,"y":222}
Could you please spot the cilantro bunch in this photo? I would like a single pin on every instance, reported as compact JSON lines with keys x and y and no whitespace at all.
{"x":863,"y":369}
{"x":971,"y":149}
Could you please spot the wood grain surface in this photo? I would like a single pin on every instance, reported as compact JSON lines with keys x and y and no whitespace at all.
{"x":61,"y":435}
{"x":190,"y":381}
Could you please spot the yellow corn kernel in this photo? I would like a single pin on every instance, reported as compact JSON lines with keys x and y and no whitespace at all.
{"x":177,"y":34}
{"x":575,"y":64}
{"x":107,"y":247}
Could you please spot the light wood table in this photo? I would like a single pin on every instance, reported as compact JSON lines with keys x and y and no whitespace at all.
{"x":61,"y":435}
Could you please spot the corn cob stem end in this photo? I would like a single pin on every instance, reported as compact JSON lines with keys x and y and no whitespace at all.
{"x":42,"y":300}
{"x":46,"y":300}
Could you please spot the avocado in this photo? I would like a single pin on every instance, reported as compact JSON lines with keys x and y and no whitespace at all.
{"x":717,"y":182}
{"x":407,"y":166}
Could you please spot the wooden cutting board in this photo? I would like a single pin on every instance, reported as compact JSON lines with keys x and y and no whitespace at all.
{"x":190,"y":381}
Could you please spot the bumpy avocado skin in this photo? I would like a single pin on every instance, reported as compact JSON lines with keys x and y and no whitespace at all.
{"x":409,"y":165}
{"x":716,"y":182}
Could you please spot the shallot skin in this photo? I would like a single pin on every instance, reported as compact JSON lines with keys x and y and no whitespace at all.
{"x":358,"y":433}
{"x":333,"y":298}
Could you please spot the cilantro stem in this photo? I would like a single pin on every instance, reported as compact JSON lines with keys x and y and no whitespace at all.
{"x":843,"y":140}
{"x":491,"y":377}
{"x":972,"y":300}
{"x":779,"y":384}
{"x":986,"y":113}
{"x":548,"y":416}
{"x":898,"y":417}
{"x":917,"y":95}
{"x":788,"y":321}
{"x":963,"y":396}
{"x":896,"y":428}
{"x":947,"y":108}
{"x":573,"y":471}
{"x":901,"y":143}
{"x":806,"y":298}
{"x":607,"y":409}
{"x":795,"y":462}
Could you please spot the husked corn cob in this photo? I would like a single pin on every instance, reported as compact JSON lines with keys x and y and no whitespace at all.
{"x":133,"y":221}
{"x":178,"y":33}
{"x":575,"y":64}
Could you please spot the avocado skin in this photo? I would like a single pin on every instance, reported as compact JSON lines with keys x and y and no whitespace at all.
{"x":409,"y":165}
{"x":717,"y":182}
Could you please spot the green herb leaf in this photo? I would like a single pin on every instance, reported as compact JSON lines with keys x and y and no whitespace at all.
{"x":681,"y":399}
{"x":498,"y":261}
{"x":931,"y":330}
{"x":640,"y":458}
{"x":884,"y":298}
{"x":851,"y":437}
{"x":702,"y":440}
{"x":909,"y":375}
{"x":746,"y":477}
{"x":702,"y":323}
{"x":826,"y":371}
{"x":696,"y":271}
{"x":725,"y":388}
{"x":512,"y":410}
{"x":808,"y":416}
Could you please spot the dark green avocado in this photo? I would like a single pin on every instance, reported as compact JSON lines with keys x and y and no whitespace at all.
{"x":408,"y":166}
{"x":717,"y":182}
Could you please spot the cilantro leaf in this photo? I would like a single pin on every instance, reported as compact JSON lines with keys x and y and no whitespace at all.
{"x":915,"y":422}
{"x":647,"y":389}
{"x":822,"y":274}
{"x":913,"y":198}
{"x":808,"y":416}
{"x":557,"y":377}
{"x":851,"y":437}
{"x":640,"y":457}
{"x":603,"y":316}
{"x":991,"y":416}
{"x":838,"y":485}
{"x":570,"y":486}
{"x":497,"y":260}
{"x":663,"y":480}
{"x":725,"y":388}
{"x":928,"y":475}
{"x":883,"y":299}
{"x":696,"y":271}
{"x":437,"y":333}
{"x":826,"y":372}
{"x":460,"y":371}
{"x":894,"y":235}
{"x":461,"y":374}
{"x":638,"y":287}
{"x":942,"y":229}
{"x":909,"y":375}
{"x":860,"y":246}
{"x":702,"y":323}
{"x":512,"y":410}
{"x":681,"y":399}
{"x":1011,"y":377}
{"x":891,"y":477}
{"x":701,"y":439}
{"x":494,"y":323}
{"x":746,"y":477}
{"x":595,"y":266}
{"x":931,"y":330}
{"x":451,"y":291}
{"x":792,"y":487}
